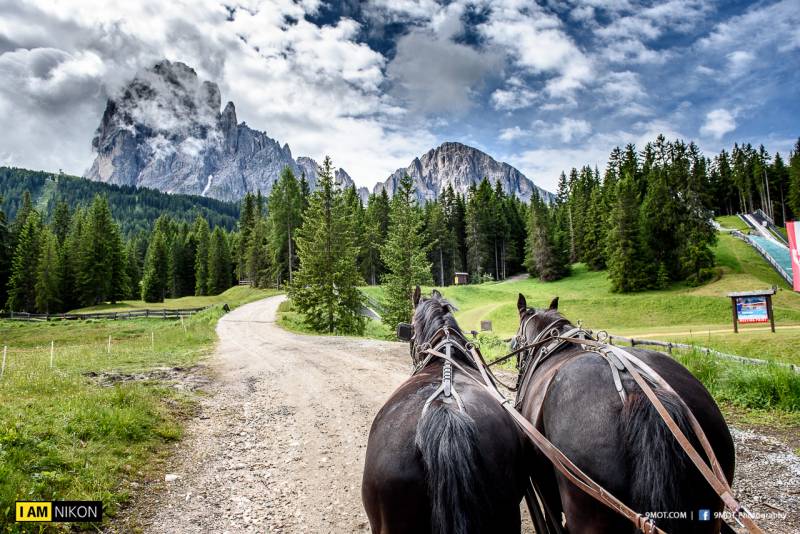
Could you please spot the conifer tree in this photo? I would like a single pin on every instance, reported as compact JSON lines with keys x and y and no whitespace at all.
{"x":257,"y":265}
{"x":794,"y":179}
{"x":547,"y":255}
{"x":5,"y":255}
{"x":48,"y":275}
{"x":404,"y":255}
{"x":439,"y":238}
{"x":594,"y":239}
{"x":22,"y":282}
{"x":156,"y":266}
{"x":626,"y":267}
{"x":203,"y":236}
{"x":219,"y":263}
{"x":133,"y":270}
{"x":325,"y":288}
{"x":285,"y":217}
{"x":62,"y":218}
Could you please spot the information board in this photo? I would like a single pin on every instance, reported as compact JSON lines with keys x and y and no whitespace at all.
{"x":752,"y":310}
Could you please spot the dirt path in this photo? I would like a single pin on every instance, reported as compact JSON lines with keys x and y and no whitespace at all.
{"x":279,"y":443}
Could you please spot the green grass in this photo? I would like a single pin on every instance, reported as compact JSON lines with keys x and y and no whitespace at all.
{"x":732,"y":222}
{"x":65,"y":436}
{"x":759,"y":387}
{"x":679,"y":313}
{"x":239,"y":295}
{"x":292,"y":320}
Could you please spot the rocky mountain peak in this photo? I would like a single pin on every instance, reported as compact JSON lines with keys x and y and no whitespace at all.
{"x":165,"y":130}
{"x":461,"y":166}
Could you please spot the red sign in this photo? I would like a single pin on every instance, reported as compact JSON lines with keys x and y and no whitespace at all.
{"x":793,"y":231}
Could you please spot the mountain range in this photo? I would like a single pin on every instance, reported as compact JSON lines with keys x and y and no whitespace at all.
{"x":165,"y":131}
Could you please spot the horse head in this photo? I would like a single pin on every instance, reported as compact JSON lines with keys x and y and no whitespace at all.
{"x":534,"y":323}
{"x":431,"y":315}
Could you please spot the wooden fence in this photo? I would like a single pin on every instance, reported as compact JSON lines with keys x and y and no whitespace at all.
{"x":133,"y":314}
{"x":669,"y":345}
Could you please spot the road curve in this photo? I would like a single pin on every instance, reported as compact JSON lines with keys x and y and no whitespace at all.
{"x":279,"y":445}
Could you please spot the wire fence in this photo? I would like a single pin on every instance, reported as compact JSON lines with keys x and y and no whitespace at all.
{"x":120,"y":350}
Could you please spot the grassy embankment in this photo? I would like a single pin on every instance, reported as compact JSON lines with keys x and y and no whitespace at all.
{"x":65,"y":436}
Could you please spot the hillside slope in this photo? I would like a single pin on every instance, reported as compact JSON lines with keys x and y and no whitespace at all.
{"x":135,"y":208}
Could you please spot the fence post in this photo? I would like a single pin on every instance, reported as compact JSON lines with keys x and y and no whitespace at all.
{"x":183,"y":324}
{"x":108,"y":351}
{"x":3,"y":367}
{"x":52,"y":350}
{"x":152,"y":341}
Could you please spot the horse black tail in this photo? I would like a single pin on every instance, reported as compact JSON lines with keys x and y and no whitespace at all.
{"x":448,"y":441}
{"x":657,"y":465}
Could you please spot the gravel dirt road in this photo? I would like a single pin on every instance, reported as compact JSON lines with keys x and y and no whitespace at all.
{"x":279,"y":442}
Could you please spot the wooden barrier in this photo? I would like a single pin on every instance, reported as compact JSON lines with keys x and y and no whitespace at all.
{"x":133,"y":314}
{"x":669,"y":345}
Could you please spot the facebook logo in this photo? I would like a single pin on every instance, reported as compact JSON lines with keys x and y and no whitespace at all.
{"x":704,"y":514}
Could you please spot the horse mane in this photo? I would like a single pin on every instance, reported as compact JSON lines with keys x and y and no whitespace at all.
{"x":432,"y":314}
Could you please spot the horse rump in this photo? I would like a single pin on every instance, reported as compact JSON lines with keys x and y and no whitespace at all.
{"x":447,"y":439}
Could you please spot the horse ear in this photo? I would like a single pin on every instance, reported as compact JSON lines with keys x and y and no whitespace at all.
{"x":554,"y":304}
{"x":522,"y":304}
{"x":417,"y":296}
{"x":435,"y":293}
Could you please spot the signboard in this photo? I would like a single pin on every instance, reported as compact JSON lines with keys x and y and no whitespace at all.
{"x":752,"y":310}
{"x":793,"y":231}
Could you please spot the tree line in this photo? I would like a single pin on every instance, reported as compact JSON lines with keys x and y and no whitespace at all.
{"x":134,"y":208}
{"x":646,"y":219}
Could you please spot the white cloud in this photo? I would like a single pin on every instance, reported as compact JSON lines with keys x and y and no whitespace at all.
{"x":718,"y":122}
{"x":513,"y":95}
{"x":510,"y":134}
{"x":567,"y":130}
{"x":536,"y":42}
{"x":739,"y":62}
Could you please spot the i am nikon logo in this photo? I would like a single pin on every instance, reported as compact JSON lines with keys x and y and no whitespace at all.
{"x":59,"y":511}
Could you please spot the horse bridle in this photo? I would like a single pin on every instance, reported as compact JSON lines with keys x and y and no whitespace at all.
{"x":443,"y":338}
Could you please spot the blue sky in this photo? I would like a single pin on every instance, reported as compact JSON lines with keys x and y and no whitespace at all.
{"x":543,"y":86}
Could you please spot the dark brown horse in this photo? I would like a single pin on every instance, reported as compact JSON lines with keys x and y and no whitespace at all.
{"x":443,"y":456}
{"x":570,"y":395}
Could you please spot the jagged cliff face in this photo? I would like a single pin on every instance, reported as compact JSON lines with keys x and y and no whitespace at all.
{"x":461,"y":166}
{"x":166,"y":132}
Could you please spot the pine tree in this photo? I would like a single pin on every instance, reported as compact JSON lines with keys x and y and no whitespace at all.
{"x":5,"y":254}
{"x":101,"y":274}
{"x":133,"y":270}
{"x":203,"y":236}
{"x":219,"y":263}
{"x":794,"y":179}
{"x":22,"y":282}
{"x":625,"y":264}
{"x":547,"y":256}
{"x":594,"y":253}
{"x":325,"y":288}
{"x":439,"y":238}
{"x":62,"y":217}
{"x":404,"y":255}
{"x":285,"y":217}
{"x":257,"y":265}
{"x":156,"y":267}
{"x":48,"y":275}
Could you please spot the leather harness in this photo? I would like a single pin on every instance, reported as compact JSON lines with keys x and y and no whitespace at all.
{"x":547,"y":343}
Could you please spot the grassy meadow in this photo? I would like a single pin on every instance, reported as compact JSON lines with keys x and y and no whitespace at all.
{"x":66,"y":434}
{"x":699,"y":314}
